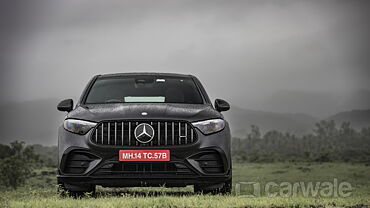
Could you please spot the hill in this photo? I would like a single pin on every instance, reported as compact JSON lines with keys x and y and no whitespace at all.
{"x":357,"y":118}
{"x":36,"y":122}
{"x":241,"y":119}
{"x":319,"y":104}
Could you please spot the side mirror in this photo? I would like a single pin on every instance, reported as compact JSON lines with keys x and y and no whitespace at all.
{"x":221,"y":105}
{"x":65,"y":105}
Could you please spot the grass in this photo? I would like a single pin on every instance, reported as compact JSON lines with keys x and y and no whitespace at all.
{"x":357,"y":175}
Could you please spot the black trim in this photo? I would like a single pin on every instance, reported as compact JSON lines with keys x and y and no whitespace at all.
{"x":202,"y":90}
{"x":74,"y":149}
{"x":129,"y":182}
{"x":87,"y":89}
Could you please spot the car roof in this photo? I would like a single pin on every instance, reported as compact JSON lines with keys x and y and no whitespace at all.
{"x":143,"y":74}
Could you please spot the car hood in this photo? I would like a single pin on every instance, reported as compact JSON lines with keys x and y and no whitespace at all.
{"x":188,"y":112}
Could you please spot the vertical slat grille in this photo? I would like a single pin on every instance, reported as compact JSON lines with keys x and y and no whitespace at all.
{"x":121,"y":133}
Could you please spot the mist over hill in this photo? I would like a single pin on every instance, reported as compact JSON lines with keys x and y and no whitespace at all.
{"x":241,"y":119}
{"x":358,"y":118}
{"x":37,"y":122}
{"x":317,"y":104}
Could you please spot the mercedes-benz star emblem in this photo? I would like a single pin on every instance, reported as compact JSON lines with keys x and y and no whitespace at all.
{"x":144,"y":133}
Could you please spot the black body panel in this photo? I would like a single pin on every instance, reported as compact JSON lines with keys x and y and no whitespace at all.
{"x":82,"y":160}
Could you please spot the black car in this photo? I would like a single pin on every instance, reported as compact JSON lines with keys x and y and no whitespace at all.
{"x":144,"y":129}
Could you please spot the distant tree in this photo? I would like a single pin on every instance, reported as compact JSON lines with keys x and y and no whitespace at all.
{"x":15,"y":168}
{"x":325,"y":129}
{"x":326,"y":143}
{"x":255,"y":133}
{"x":346,"y":130}
{"x":48,"y":156}
{"x":5,"y":151}
{"x":13,"y":171}
{"x":365,"y":133}
{"x":323,"y":157}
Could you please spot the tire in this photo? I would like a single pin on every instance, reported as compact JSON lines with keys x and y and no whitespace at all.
{"x":224,"y":188}
{"x":75,"y":190}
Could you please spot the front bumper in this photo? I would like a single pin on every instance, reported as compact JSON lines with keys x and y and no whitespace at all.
{"x":205,"y":162}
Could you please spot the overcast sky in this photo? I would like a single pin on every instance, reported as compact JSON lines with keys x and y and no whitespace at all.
{"x":242,"y":51}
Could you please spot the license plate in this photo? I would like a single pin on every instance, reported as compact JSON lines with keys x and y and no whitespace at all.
{"x":144,"y":155}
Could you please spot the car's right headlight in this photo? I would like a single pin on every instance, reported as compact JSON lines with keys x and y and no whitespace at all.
{"x":210,"y":126}
{"x":78,"y":126}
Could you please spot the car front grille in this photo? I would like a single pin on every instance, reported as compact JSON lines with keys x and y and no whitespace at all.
{"x":121,"y":133}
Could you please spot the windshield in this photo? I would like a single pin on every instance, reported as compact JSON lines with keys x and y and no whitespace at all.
{"x":144,"y":89}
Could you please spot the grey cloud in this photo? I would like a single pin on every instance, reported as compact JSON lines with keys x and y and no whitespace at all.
{"x":243,"y":51}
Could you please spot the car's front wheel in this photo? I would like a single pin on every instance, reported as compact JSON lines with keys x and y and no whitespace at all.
{"x":75,"y":190}
{"x":224,"y":188}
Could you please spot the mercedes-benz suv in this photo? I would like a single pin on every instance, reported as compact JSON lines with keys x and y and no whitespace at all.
{"x":144,"y":129}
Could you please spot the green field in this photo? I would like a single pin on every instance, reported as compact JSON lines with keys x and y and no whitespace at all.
{"x":40,"y":190}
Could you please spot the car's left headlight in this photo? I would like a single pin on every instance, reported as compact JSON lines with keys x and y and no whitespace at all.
{"x":210,"y":126}
{"x":78,"y":126}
